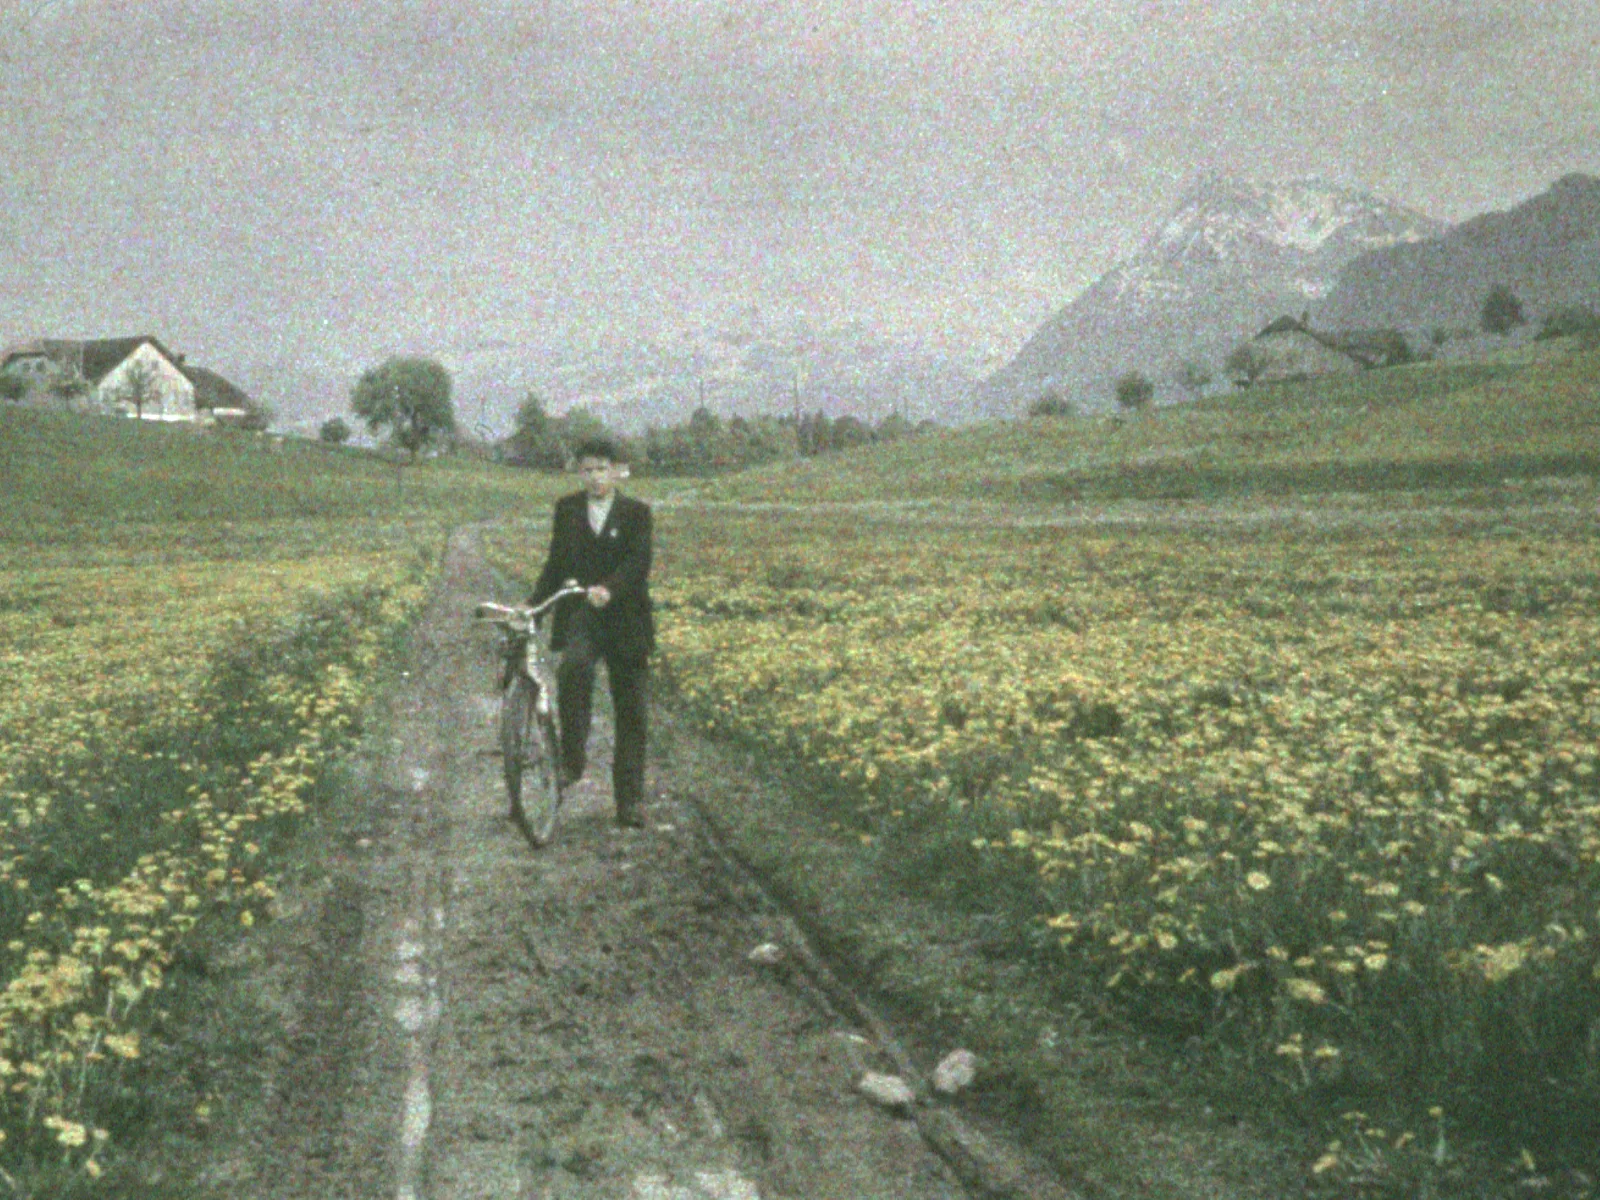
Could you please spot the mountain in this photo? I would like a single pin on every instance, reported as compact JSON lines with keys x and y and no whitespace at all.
{"x":747,"y":362}
{"x":1230,"y":258}
{"x":1546,"y":250}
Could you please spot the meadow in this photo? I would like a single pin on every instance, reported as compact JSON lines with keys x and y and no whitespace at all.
{"x":1305,"y":776}
{"x":1265,"y":725}
{"x":190,"y":630}
{"x":1378,"y":436}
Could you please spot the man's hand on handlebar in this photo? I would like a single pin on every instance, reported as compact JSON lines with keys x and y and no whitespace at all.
{"x":599,"y":595}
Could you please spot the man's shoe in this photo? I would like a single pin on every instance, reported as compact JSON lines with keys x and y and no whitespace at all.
{"x":630,"y":819}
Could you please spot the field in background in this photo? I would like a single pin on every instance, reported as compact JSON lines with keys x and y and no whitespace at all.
{"x":65,"y":474}
{"x":190,"y":627}
{"x":1522,"y":419}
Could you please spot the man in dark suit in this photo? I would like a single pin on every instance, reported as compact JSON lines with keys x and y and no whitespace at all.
{"x":602,"y":539}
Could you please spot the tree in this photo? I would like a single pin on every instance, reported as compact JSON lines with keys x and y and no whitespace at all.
{"x":140,"y":385}
{"x":814,"y":434}
{"x":850,"y":431}
{"x":535,"y":441}
{"x":1134,"y":391}
{"x":1247,"y":363}
{"x":892,"y":428}
{"x":408,"y":397}
{"x":258,"y":415}
{"x":334,"y":431}
{"x":577,"y":425}
{"x":67,"y":386}
{"x":1502,"y":311}
{"x":1192,"y":377}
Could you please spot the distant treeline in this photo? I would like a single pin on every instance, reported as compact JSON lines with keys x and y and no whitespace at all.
{"x":704,"y":444}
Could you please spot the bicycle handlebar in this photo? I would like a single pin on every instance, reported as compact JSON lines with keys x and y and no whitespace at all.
{"x":521,"y":614}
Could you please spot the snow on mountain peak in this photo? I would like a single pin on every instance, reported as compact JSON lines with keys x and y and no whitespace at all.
{"x":1220,"y":220}
{"x":1231,"y":256}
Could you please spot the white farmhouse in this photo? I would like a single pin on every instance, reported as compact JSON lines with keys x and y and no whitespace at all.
{"x":139,"y":377}
{"x":134,"y":375}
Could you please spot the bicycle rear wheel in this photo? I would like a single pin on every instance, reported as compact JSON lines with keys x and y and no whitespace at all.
{"x":527,"y":741}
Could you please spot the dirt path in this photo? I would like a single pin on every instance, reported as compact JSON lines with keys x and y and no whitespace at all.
{"x":465,"y":1017}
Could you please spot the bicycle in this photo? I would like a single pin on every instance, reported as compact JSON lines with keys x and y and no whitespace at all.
{"x":529,"y":741}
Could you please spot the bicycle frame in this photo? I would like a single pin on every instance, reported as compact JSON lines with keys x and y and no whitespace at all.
{"x":527,"y":712}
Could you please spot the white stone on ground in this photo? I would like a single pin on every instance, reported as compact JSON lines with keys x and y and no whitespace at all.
{"x":888,"y":1090}
{"x":956,"y":1071}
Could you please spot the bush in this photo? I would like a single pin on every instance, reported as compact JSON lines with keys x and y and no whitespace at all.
{"x":1193,"y":377}
{"x":1502,"y":311}
{"x":1246,"y":363}
{"x":1392,"y":348}
{"x":12,"y":387}
{"x":334,"y":431}
{"x":1568,"y":320}
{"x":1134,"y":390}
{"x":1052,"y":404}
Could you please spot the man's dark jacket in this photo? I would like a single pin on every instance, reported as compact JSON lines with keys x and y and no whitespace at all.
{"x":618,"y":557}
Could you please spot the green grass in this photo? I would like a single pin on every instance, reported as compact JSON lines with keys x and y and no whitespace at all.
{"x":63,"y":474}
{"x":94,"y":490}
{"x":1526,"y":416}
{"x":99,"y":511}
{"x":947,"y":940}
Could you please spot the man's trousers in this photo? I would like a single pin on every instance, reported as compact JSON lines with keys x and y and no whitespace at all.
{"x":630,"y":696}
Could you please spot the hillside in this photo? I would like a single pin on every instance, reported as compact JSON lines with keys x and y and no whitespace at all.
{"x":1529,"y":413}
{"x":65,"y":474}
{"x":1547,"y":250}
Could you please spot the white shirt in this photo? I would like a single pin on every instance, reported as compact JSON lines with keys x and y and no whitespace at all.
{"x":599,"y":510}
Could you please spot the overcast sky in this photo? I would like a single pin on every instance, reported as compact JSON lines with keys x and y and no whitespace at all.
{"x":263,"y":182}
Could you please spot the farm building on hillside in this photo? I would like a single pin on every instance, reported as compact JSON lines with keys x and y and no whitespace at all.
{"x":137,"y":376}
{"x":1290,"y":349}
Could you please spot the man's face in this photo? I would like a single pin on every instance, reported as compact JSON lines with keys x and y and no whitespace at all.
{"x":600,"y":476}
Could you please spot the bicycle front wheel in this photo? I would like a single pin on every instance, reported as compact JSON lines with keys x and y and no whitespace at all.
{"x":541,"y":778}
{"x":516,"y":713}
{"x":527,"y":741}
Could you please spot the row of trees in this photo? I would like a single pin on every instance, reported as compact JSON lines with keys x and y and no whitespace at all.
{"x":1132,"y":390}
{"x":702,"y":444}
{"x":408,"y":401}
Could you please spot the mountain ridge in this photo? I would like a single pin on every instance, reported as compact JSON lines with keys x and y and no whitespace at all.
{"x":1232,"y":255}
{"x":1546,"y":249}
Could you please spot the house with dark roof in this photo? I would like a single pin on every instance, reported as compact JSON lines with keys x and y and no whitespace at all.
{"x":1291,"y":349}
{"x":134,"y":375}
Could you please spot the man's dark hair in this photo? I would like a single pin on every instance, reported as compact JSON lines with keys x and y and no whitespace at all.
{"x":598,"y":447}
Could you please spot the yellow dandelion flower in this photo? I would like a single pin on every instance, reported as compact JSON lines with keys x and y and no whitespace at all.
{"x":1305,"y":989}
